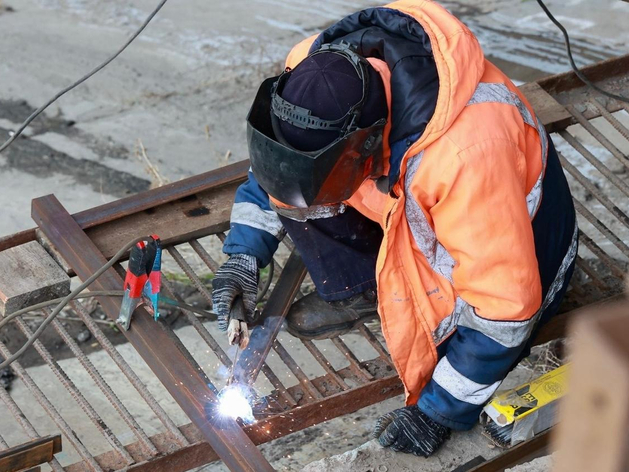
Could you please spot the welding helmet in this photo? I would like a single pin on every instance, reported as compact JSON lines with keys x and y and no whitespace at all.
{"x":330,"y":174}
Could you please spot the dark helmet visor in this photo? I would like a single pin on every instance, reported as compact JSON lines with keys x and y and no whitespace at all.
{"x":302,"y":179}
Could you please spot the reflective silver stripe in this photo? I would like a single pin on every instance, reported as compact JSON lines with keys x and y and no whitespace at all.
{"x":449,"y":323}
{"x":250,"y":214}
{"x":514,"y":333}
{"x":507,"y":333}
{"x":310,"y":213}
{"x":459,"y":386}
{"x":500,"y":93}
{"x":560,"y":278}
{"x":438,"y":257}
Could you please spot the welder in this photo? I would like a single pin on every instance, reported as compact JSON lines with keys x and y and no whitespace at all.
{"x":418,"y":185}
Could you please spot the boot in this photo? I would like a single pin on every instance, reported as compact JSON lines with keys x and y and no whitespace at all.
{"x":313,"y":318}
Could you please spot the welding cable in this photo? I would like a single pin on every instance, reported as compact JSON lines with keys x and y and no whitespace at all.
{"x":576,"y":70}
{"x":103,"y":293}
{"x":77,"y":294}
{"x":82,"y":79}
{"x":67,"y":299}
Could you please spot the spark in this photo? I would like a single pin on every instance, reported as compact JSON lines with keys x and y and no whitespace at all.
{"x":234,"y":401}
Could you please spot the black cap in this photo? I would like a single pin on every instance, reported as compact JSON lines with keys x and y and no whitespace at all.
{"x":328,"y":85}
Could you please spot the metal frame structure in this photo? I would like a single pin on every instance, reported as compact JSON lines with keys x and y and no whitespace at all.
{"x":343,"y":375}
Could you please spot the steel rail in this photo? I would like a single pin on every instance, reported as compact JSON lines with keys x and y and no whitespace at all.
{"x":104,"y":215}
{"x":158,"y":346}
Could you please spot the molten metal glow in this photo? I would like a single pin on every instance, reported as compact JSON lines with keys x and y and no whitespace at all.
{"x":234,"y":402}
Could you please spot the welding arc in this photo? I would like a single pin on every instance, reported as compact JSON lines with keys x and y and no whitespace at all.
{"x":575,"y":69}
{"x":84,"y":78}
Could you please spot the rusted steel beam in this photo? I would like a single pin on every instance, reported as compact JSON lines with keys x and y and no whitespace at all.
{"x":143,"y":204}
{"x":30,"y":454}
{"x":566,"y":81}
{"x":262,"y":337}
{"x":268,"y":429}
{"x":156,"y":344}
{"x":523,"y":452}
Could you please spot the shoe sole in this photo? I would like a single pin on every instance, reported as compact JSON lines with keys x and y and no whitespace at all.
{"x":332,"y":331}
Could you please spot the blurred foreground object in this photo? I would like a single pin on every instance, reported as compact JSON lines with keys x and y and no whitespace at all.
{"x":593,"y":433}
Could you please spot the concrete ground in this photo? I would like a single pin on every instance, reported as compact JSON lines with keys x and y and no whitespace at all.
{"x":184,"y":88}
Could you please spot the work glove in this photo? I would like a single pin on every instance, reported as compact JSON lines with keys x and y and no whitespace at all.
{"x":409,"y":430}
{"x":239,"y":276}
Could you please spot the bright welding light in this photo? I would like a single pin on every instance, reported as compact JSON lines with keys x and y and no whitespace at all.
{"x":234,"y":402}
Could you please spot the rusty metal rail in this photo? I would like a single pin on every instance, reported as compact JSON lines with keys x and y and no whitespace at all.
{"x":302,"y":382}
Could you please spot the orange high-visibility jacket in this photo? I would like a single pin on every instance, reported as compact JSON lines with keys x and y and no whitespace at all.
{"x":458,"y":263}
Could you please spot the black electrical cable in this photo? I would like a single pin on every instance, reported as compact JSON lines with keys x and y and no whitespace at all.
{"x":82,"y":79}
{"x":576,"y":70}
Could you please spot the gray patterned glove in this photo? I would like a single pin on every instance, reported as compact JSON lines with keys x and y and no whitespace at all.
{"x":409,"y":430}
{"x":238,"y":276}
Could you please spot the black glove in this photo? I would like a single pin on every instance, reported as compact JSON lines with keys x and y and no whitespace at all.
{"x":238,"y":276}
{"x":409,"y":430}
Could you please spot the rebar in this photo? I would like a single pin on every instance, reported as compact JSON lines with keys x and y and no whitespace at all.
{"x":43,"y":400}
{"x":129,"y":373}
{"x":26,"y":425}
{"x":76,"y":394}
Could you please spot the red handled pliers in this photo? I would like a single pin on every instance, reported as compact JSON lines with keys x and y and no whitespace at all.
{"x":143,"y":280}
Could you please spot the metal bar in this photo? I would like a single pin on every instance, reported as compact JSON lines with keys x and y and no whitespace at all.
{"x":52,"y":411}
{"x":110,"y":214}
{"x":30,"y":454}
{"x":104,"y":387}
{"x":590,"y":187}
{"x":592,"y":159}
{"x":158,"y":346}
{"x":585,"y":267}
{"x":371,"y":338}
{"x":589,"y":127}
{"x":76,"y":394}
{"x":220,"y":353}
{"x":129,"y":373}
{"x":204,"y":255}
{"x":194,"y":278}
{"x":602,"y":255}
{"x":524,"y":452}
{"x":275,"y":310}
{"x":567,"y":81}
{"x":202,"y":330}
{"x":611,"y":119}
{"x":296,"y":370}
{"x":321,"y":359}
{"x":3,"y":443}
{"x":26,"y":425}
{"x":266,"y":429}
{"x":599,"y":225}
{"x":354,"y":363}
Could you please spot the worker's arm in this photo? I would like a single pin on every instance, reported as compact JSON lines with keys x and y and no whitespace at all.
{"x":482,"y":220}
{"x":255,"y":229}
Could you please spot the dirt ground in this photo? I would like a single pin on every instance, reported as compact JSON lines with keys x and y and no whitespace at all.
{"x":183,"y":90}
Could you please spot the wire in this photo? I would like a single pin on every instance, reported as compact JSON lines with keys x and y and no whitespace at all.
{"x":82,"y":79}
{"x":102,"y":293}
{"x":576,"y":70}
{"x":65,"y":300}
{"x":77,"y":294}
